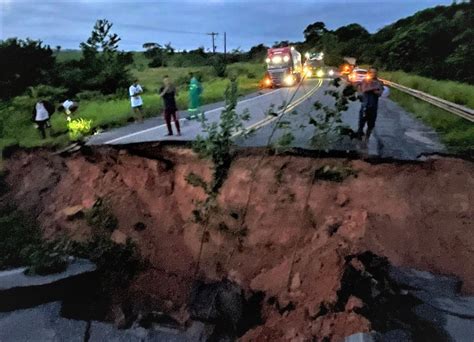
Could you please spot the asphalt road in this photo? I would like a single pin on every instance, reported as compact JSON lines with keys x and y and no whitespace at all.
{"x":397,"y":133}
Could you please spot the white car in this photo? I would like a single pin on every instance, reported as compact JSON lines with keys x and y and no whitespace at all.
{"x":357,"y":75}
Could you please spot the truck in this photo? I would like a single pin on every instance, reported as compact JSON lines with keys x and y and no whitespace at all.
{"x":313,"y":68}
{"x":284,"y":67}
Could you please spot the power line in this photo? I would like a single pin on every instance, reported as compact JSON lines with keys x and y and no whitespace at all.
{"x":156,"y":29}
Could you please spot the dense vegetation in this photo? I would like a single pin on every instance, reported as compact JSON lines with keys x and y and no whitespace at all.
{"x":101,"y":66}
{"x":436,"y":42}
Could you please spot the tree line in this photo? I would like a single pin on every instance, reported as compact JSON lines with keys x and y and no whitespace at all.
{"x":436,"y":42}
{"x":102,"y":67}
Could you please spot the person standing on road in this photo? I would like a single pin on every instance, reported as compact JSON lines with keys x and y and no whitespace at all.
{"x":168,"y":94}
{"x":371,"y":88}
{"x":195,"y":90}
{"x":42,"y":111}
{"x":136,"y":100}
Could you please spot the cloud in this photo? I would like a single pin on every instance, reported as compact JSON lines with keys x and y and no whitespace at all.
{"x":186,"y":22}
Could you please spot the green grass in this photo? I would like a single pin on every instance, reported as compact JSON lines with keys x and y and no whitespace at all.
{"x":460,"y":93}
{"x":455,"y":132}
{"x":106,"y":113}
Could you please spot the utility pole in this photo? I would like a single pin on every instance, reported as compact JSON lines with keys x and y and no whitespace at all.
{"x":213,"y":34}
{"x":225,"y":46}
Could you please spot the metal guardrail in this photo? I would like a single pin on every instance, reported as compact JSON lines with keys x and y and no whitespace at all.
{"x":464,"y":112}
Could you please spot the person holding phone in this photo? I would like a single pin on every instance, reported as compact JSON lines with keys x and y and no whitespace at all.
{"x":168,"y":94}
{"x":136,"y":100}
{"x":371,"y":88}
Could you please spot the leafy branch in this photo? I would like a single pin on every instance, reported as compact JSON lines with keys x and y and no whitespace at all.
{"x":216,"y":145}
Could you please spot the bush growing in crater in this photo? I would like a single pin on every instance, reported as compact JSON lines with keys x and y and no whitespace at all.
{"x":334,"y":173}
{"x":101,"y":218}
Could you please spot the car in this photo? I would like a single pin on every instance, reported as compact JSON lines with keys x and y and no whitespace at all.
{"x":357,"y":75}
{"x":346,"y":69}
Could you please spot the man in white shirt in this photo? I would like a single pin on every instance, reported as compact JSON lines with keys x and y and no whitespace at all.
{"x":42,"y":111}
{"x":136,"y":100}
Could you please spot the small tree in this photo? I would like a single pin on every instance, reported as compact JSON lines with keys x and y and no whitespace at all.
{"x":155,"y":53}
{"x":101,"y":38}
{"x":104,"y":68}
{"x":217,"y":143}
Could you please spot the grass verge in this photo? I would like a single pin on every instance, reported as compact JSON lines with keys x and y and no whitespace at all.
{"x":460,"y":93}
{"x":455,"y":132}
{"x":109,"y":112}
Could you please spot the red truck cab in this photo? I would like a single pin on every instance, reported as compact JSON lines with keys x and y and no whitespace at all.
{"x":284,"y":66}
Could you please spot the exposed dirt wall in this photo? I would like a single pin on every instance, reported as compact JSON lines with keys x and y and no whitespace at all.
{"x":417,"y":214}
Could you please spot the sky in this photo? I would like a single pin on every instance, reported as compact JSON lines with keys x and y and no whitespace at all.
{"x":185,"y":23}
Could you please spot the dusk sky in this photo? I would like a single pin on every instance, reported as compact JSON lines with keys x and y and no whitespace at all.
{"x":185,"y":23}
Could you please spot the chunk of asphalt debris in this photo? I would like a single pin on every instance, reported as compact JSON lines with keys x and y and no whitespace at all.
{"x":40,"y":323}
{"x":360,"y":337}
{"x":107,"y":332}
{"x":426,"y":281}
{"x":17,"y":278}
{"x":441,"y":292}
{"x":454,"y":328}
{"x":19,"y":290}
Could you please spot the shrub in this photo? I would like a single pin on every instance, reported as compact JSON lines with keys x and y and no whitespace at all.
{"x":89,"y":95}
{"x":101,"y":218}
{"x":53,"y":94}
{"x":22,"y":244}
{"x":334,"y":173}
{"x":79,"y":128}
{"x":118,"y":264}
{"x":219,"y":65}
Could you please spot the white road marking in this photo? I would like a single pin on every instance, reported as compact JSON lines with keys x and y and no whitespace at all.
{"x":270,"y":119}
{"x":181,"y":120}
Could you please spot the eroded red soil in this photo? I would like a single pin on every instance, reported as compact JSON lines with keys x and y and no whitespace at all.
{"x":418,"y":215}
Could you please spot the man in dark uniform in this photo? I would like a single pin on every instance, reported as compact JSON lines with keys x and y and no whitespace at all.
{"x":371,"y":88}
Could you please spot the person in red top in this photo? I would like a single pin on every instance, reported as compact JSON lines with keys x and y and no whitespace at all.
{"x":371,"y":88}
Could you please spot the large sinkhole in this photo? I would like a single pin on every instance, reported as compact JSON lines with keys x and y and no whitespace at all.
{"x":301,"y":247}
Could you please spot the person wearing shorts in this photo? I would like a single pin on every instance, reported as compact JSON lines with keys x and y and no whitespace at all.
{"x":168,"y":94}
{"x":136,"y":100}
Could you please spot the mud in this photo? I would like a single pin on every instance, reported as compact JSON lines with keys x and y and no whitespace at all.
{"x":301,"y":237}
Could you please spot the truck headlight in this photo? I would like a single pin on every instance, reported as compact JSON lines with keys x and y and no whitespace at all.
{"x":320,"y":73}
{"x":289,"y":80}
{"x":276,"y":60}
{"x":286,"y":59}
{"x":331,"y":72}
